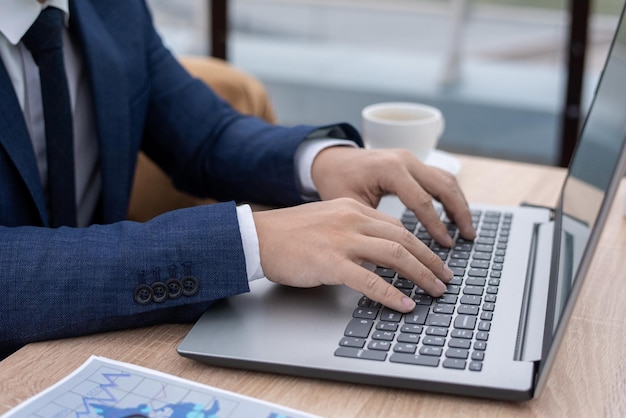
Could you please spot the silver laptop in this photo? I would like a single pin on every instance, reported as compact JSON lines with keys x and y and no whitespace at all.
{"x":506,"y":309}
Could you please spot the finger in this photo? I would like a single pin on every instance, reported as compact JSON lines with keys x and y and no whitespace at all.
{"x":420,"y":202}
{"x":455,"y":204}
{"x":414,"y":258}
{"x":393,"y":255}
{"x":444,"y":187}
{"x":374,"y":287}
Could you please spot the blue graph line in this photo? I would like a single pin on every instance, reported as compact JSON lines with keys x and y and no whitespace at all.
{"x":111,"y":378}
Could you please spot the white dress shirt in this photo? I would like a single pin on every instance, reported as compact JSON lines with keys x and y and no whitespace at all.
{"x":15,"y":20}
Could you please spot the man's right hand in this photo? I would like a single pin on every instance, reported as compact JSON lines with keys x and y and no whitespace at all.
{"x":328,"y":242}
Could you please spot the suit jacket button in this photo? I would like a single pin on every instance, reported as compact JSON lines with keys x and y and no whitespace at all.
{"x":175,"y":288}
{"x":190,"y":285}
{"x":160,"y":292}
{"x":143,"y":294}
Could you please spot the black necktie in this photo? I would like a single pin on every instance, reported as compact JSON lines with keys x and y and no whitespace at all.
{"x":44,"y":40}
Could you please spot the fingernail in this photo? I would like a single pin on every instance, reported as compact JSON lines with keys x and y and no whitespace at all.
{"x":441,"y":286}
{"x":408,"y":303}
{"x":448,"y":274}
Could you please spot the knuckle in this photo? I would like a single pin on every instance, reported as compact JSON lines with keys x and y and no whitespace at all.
{"x":406,"y":236}
{"x":388,"y":292}
{"x":372,"y":282}
{"x":378,"y":289}
{"x":432,"y":259}
{"x":396,"y":250}
{"x":449,"y":181}
{"x":404,"y":154}
{"x":424,"y":200}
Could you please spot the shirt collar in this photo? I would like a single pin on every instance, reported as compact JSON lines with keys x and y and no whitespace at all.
{"x":18,"y":16}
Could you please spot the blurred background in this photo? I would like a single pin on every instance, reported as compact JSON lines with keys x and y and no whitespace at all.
{"x":497,"y":68}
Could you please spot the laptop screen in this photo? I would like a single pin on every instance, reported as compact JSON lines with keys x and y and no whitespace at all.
{"x":592,"y":176}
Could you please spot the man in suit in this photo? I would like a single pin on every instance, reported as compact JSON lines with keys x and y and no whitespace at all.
{"x":72,"y":266}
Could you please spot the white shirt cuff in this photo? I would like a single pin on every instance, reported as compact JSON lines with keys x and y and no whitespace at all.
{"x":250,"y":241}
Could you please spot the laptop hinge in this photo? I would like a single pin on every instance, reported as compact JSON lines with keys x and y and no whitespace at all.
{"x":529,"y":342}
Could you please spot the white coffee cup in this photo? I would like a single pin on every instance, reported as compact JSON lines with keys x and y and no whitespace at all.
{"x":412,"y":126}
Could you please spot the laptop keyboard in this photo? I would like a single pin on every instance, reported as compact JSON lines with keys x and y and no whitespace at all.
{"x":450,"y":331}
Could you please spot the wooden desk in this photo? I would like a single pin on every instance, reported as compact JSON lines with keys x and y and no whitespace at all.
{"x":588,"y":378}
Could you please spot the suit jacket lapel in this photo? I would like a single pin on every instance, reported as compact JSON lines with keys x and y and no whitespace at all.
{"x":111,"y":106}
{"x":15,"y":139}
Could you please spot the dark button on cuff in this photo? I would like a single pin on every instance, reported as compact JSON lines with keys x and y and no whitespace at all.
{"x":175,"y":288}
{"x":143,"y":294}
{"x":161,"y":292}
{"x":190,"y":285}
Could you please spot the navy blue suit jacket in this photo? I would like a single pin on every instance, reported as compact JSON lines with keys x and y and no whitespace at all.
{"x":72,"y":281}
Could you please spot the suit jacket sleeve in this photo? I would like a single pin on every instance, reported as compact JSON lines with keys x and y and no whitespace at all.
{"x":73,"y":281}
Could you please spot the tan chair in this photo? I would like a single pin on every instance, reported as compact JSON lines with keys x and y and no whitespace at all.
{"x":153,"y":192}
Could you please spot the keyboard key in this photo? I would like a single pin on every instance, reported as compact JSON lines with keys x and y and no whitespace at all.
{"x":475,"y":281}
{"x":480,"y":264}
{"x":441,"y":308}
{"x":423,"y":299}
{"x":487,"y":306}
{"x":438,"y":331}
{"x":468,"y":309}
{"x":411,"y":329}
{"x":404,"y":284}
{"x":482,"y":256}
{"x":359,"y":328}
{"x":404,"y":348}
{"x":414,"y":359}
{"x":490,"y":298}
{"x":457,"y":263}
{"x":390,"y":315}
{"x":482,"y":336}
{"x":477,"y":272}
{"x":471,"y":300}
{"x":459,"y":343}
{"x":352,"y":342}
{"x":439,"y":320}
{"x":473,"y":290}
{"x":365,"y":313}
{"x":417,"y":315}
{"x":448,"y":299}
{"x":480,"y":345}
{"x":462,"y":333}
{"x":486,"y":316}
{"x":383,"y":335}
{"x":485,"y":241}
{"x":429,"y":350}
{"x":387,"y":326}
{"x":408,"y":338}
{"x":484,"y":326}
{"x":364,"y":354}
{"x":478,"y":355}
{"x":476,"y":366}
{"x":379,"y":345}
{"x":452,"y":363}
{"x":465,"y":322}
{"x":457,"y":353}
{"x":460,"y":255}
{"x":434,"y":340}
{"x":484,"y":249}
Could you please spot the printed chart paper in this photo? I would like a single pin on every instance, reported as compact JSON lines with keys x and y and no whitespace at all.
{"x":104,"y":388}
